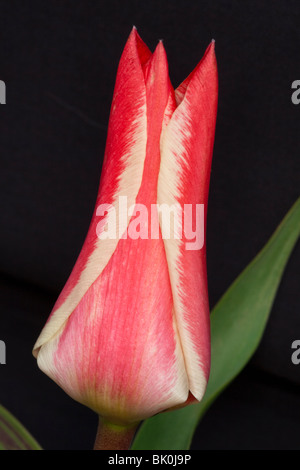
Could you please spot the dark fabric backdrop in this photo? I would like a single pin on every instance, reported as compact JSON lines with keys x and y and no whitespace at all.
{"x":59,"y":61}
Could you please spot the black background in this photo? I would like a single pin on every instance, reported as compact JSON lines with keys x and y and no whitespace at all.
{"x":59,"y":61}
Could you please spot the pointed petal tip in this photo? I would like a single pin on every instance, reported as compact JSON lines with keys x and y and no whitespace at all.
{"x":160,"y":52}
{"x":160,"y":61}
{"x":209,"y":57}
{"x":133,"y":32}
{"x":157,"y":69}
{"x":211,"y":47}
{"x":160,"y":45}
{"x":135,"y":46}
{"x":134,"y":35}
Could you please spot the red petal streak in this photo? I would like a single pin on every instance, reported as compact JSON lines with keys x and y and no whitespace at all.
{"x":181,"y":89}
{"x":121,"y":175}
{"x":187,"y":144}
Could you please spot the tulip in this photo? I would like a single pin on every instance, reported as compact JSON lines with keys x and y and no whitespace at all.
{"x":129,"y":335}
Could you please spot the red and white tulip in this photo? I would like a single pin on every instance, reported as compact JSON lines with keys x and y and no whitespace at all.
{"x":129,"y":335}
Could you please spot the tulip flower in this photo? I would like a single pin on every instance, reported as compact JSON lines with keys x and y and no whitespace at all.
{"x":129,"y":335}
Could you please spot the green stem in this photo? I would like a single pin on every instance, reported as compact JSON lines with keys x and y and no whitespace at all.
{"x":114,"y":437}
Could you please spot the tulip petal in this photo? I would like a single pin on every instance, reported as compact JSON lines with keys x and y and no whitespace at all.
{"x":121,"y":176}
{"x":119,"y":352}
{"x":186,"y":152}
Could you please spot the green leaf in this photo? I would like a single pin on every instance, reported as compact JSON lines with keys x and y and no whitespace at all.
{"x":13,"y":435}
{"x":237,"y":325}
